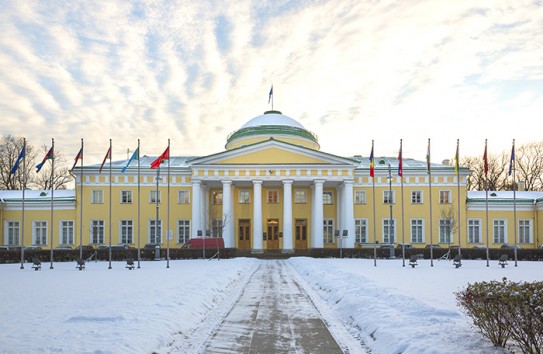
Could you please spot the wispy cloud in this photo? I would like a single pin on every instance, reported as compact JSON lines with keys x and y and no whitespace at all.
{"x":350,"y":71}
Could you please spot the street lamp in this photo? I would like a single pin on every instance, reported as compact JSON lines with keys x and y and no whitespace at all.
{"x":390,"y":228}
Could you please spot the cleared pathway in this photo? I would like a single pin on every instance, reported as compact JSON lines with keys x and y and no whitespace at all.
{"x":273,"y":314}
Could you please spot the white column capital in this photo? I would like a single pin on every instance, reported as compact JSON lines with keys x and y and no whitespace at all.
{"x":226,"y":182}
{"x":257,"y":181}
{"x":288,"y":181}
{"x":319,"y":181}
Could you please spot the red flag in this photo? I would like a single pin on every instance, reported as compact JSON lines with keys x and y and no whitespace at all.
{"x":165,"y":156}
{"x":485,"y":161}
{"x":400,"y":159}
{"x":108,"y":156}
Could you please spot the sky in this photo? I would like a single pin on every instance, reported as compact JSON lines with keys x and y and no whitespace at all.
{"x":195,"y":71}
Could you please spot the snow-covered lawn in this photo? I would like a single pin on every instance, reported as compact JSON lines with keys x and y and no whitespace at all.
{"x":390,"y":308}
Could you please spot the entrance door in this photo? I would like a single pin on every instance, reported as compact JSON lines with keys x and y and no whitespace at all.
{"x":244,"y":236}
{"x":301,"y":233}
{"x":272,"y":234}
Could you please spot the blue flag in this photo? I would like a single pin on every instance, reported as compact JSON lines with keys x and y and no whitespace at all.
{"x":135,"y":156}
{"x":16,"y":166}
{"x":512,"y":159}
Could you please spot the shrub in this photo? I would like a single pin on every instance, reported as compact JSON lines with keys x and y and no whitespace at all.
{"x":506,"y":310}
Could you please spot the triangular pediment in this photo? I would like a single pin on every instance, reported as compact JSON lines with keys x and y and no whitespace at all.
{"x":272,"y":152}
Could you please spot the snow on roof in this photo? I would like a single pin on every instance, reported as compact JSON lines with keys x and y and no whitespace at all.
{"x":493,"y":195}
{"x":36,"y":194}
{"x":272,"y":118}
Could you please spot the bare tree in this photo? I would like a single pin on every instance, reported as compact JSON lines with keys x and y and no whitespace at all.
{"x":498,"y":166}
{"x":529,"y":165}
{"x":448,"y":213}
{"x":61,"y":173}
{"x":10,"y":148}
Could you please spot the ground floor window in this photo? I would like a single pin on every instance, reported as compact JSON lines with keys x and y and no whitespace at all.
{"x":39,"y":233}
{"x":127,"y":231}
{"x":155,"y":231}
{"x":97,"y":231}
{"x":67,"y":232}
{"x":389,"y":230}
{"x":361,"y":230}
{"x":328,"y":230}
{"x":13,"y":233}
{"x":216,"y":228}
{"x":525,"y":231}
{"x":417,"y":230}
{"x":474,"y":231}
{"x":183,"y":231}
{"x":499,"y":231}
{"x":445,"y":231}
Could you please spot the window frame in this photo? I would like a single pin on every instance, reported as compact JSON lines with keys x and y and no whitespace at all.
{"x":97,"y":196}
{"x":474,"y":225}
{"x":414,"y":236}
{"x":126,"y":196}
{"x":153,"y":195}
{"x":529,"y":231}
{"x":359,"y":197}
{"x":442,"y":193}
{"x":417,"y":197}
{"x":300,"y":196}
{"x":328,"y":198}
{"x":272,"y":196}
{"x":386,"y":197}
{"x":183,"y":196}
{"x":444,"y":238}
{"x":97,"y":224}
{"x":328,"y":231}
{"x":124,"y":225}
{"x":151,"y":229}
{"x":63,"y":227}
{"x":216,"y":197}
{"x":244,"y":196}
{"x":183,"y":236}
{"x":43,"y":238}
{"x":361,"y":230}
{"x":386,"y":235}
{"x":501,"y":225}
{"x":13,"y":233}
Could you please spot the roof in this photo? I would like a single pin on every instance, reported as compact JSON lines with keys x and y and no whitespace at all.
{"x":504,"y":195}
{"x":36,"y":195}
{"x":272,"y":118}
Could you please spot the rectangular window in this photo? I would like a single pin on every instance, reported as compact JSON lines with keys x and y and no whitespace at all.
{"x":244,"y":196}
{"x":183,"y":197}
{"x":300,"y":196}
{"x":474,"y":231}
{"x":127,"y":231}
{"x":126,"y":197}
{"x":97,"y":232}
{"x":183,"y":231}
{"x":216,"y":227}
{"x":327,"y":197}
{"x":389,"y":231}
{"x":154,"y":195}
{"x":328,"y":230}
{"x":155,"y":233}
{"x":40,"y":233}
{"x":97,"y":197}
{"x":13,"y":233}
{"x":216,"y":197}
{"x":67,"y":232}
{"x":273,"y":197}
{"x":445,"y":231}
{"x":444,"y":197}
{"x":417,"y":230}
{"x":500,"y":235}
{"x":416,"y":197}
{"x":360,"y":197}
{"x":525,"y":231}
{"x":361,"y":230}
{"x":388,"y":197}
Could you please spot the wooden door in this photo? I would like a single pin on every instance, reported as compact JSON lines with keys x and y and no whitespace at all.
{"x":301,"y":234}
{"x":272,"y":234}
{"x":244,"y":234}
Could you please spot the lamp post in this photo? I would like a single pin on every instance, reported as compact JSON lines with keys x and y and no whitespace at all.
{"x":390,"y":228}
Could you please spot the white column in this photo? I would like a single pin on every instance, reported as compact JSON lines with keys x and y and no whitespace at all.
{"x":227,"y":212}
{"x":257,"y":217}
{"x":348,"y":212}
{"x":196,"y":222}
{"x":287,"y":217}
{"x":319,"y":215}
{"x":204,"y":200}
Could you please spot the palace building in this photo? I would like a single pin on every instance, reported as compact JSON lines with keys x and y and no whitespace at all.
{"x":271,"y":188}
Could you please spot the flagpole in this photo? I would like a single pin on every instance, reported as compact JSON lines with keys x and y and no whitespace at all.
{"x":485,"y":162}
{"x":110,"y":158}
{"x":514,"y":200}
{"x":403,"y":226}
{"x":52,"y":195}
{"x":458,"y":190}
{"x":81,"y":204}
{"x":168,"y":214}
{"x":428,"y":157}
{"x":139,"y":256}
{"x":374,"y":225}
{"x":23,"y":207}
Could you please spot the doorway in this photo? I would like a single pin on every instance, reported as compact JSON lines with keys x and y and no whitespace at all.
{"x":244,"y":234}
{"x":272,"y":234}
{"x":301,"y":233}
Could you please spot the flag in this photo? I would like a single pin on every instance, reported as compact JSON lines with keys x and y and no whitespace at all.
{"x":428,"y":158}
{"x":372,"y":163}
{"x":456,"y":159}
{"x":135,"y":156}
{"x":21,"y":156}
{"x":108,"y":156}
{"x":400,"y":158}
{"x":271,"y":94}
{"x":50,"y":155}
{"x":77,"y":157}
{"x":165,"y":156}
{"x":485,"y":161}
{"x":512,"y":159}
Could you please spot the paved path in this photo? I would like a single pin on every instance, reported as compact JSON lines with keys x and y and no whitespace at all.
{"x":272,"y":315}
